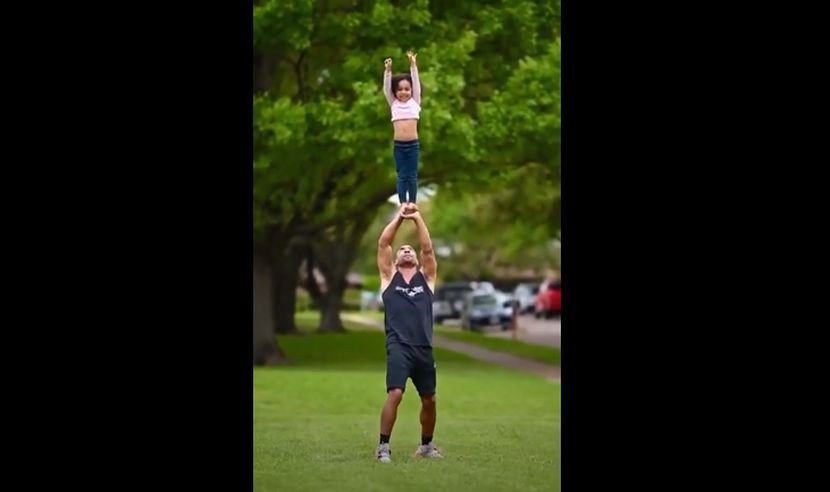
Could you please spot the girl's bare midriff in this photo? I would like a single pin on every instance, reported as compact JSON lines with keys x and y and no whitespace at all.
{"x":406,"y":130}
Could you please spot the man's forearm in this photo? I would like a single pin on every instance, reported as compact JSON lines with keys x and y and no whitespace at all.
{"x":423,"y":235}
{"x":388,"y":234}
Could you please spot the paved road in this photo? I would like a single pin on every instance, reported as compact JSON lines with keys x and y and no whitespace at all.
{"x":539,"y":331}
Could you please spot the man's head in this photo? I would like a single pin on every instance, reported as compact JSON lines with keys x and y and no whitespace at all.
{"x":406,"y":257}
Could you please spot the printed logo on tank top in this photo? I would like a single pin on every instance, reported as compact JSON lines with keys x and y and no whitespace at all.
{"x":410,"y":291}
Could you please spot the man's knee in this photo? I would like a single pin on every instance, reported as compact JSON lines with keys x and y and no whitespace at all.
{"x":428,"y":400}
{"x":395,"y":395}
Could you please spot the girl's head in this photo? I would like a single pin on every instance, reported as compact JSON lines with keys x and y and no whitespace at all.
{"x":402,"y":87}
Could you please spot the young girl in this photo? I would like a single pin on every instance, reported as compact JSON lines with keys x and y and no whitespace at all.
{"x":403,"y":92}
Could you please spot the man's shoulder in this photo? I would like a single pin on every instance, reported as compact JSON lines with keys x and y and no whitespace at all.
{"x":391,"y":277}
{"x":430,"y":282}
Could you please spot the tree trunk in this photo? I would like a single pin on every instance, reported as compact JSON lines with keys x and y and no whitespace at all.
{"x":330,"y":311}
{"x":310,"y":281}
{"x":334,"y":256}
{"x":331,"y":301}
{"x":266,"y":349}
{"x":265,"y":66}
{"x":334,"y":270}
{"x":285,"y":261}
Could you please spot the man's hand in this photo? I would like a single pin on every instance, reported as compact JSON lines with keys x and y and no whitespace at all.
{"x":411,"y":55}
{"x":408,"y":210}
{"x":414,"y":215}
{"x":387,"y":64}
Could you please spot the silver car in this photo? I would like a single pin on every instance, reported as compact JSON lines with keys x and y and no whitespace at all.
{"x":482,"y":308}
{"x":449,"y":298}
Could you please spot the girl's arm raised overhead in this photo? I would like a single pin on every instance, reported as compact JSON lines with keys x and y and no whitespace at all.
{"x":413,"y":72}
{"x":387,"y":80}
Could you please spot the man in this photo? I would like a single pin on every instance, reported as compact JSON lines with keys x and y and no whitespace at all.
{"x":407,"y":290}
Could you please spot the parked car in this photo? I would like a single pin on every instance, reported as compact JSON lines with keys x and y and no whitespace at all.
{"x":549,"y":299}
{"x":526,"y":295}
{"x":482,"y":308}
{"x":449,"y":298}
{"x":483,"y":286}
{"x":505,"y":301}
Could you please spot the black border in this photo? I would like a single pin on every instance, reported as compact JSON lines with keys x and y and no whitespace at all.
{"x":643,"y":226}
{"x":690,"y":205}
{"x":144,"y":238}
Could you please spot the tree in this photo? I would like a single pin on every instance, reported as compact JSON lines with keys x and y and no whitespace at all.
{"x":266,"y":349}
{"x":322,"y":138}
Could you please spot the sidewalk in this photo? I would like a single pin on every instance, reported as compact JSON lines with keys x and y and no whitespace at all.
{"x":547,"y":371}
{"x":535,"y":331}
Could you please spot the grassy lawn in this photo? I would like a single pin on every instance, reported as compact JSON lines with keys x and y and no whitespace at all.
{"x":541,"y":353}
{"x":316,"y":422}
{"x":307,"y":322}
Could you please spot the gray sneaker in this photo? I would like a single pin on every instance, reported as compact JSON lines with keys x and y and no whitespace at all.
{"x":427,"y":451}
{"x":384,"y":455}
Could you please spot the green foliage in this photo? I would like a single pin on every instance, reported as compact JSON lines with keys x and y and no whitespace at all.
{"x":283,"y":22}
{"x":522,"y":122}
{"x":509,"y":214}
{"x":489,"y":127}
{"x":371,"y":282}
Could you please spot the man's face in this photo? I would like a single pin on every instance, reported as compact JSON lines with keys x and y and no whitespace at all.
{"x":406,"y":256}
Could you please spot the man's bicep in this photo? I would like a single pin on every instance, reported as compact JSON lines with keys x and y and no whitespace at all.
{"x":430,"y":266}
{"x":385,"y":262}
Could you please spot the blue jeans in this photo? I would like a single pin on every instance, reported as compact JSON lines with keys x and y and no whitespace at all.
{"x":406,"y":164}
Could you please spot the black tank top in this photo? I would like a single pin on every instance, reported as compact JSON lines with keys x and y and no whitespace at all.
{"x":408,"y":311}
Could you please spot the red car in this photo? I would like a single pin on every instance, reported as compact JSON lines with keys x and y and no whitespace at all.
{"x":549,"y":300}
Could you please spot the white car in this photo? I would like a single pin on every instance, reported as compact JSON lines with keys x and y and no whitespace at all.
{"x":526,"y":295}
{"x":505,"y":303}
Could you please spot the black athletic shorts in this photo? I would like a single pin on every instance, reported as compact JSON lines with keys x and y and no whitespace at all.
{"x":407,"y":361}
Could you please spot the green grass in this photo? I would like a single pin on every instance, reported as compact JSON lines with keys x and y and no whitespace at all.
{"x":307,"y":322}
{"x":316,"y":422}
{"x":541,"y":353}
{"x":351,"y":300}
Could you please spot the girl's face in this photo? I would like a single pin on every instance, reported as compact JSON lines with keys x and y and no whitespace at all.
{"x":404,"y":91}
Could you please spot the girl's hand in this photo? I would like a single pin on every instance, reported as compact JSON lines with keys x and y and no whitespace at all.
{"x":411,"y":57}
{"x":387,"y":63}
